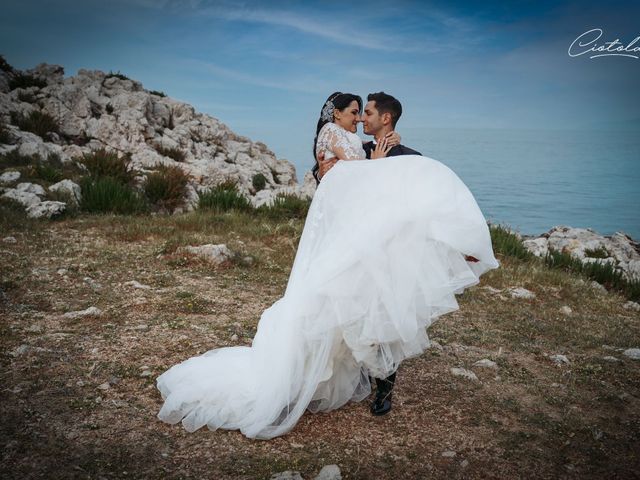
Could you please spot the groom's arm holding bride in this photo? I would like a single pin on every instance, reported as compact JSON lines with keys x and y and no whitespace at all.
{"x":379,"y":151}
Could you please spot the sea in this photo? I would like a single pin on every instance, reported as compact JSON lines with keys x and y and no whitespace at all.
{"x":532,"y":180}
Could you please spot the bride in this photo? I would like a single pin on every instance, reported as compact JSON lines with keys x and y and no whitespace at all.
{"x":381,"y":256}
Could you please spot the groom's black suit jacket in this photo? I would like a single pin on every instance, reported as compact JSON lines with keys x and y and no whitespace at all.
{"x":397,"y":150}
{"x":368,"y":148}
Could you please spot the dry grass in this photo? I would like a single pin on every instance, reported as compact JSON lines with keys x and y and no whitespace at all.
{"x":528,"y":419}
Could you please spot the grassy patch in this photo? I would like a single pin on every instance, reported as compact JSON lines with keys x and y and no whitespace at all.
{"x":5,"y":136}
{"x":166,"y":187}
{"x":40,"y":123}
{"x":174,"y":153}
{"x":16,"y":159}
{"x":13,"y":216}
{"x":600,"y":252}
{"x":224,"y":197}
{"x":23,"y":80}
{"x":158,"y":93}
{"x":506,"y":242}
{"x":102,"y":163}
{"x":26,"y":97}
{"x":603,"y":273}
{"x":285,"y":206}
{"x":109,"y":195}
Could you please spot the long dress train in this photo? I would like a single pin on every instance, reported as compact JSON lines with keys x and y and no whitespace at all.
{"x":381,"y":257}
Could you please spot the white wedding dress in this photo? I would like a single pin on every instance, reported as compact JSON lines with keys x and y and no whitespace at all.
{"x":381,"y":257}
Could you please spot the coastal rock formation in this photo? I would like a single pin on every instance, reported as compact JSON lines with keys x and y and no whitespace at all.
{"x":96,"y":110}
{"x":587,"y":245}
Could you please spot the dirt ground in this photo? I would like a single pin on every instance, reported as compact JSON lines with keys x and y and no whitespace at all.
{"x":79,"y":398}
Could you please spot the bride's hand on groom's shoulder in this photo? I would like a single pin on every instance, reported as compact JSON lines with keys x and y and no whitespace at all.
{"x":381,"y":149}
{"x":393,"y":138}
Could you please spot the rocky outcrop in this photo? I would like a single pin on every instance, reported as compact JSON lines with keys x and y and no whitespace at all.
{"x":97,"y":110}
{"x":585,"y":244}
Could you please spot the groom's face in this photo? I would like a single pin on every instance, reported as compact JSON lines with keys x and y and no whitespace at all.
{"x":371,"y":119}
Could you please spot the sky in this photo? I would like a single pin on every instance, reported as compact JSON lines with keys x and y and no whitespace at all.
{"x":266,"y":68}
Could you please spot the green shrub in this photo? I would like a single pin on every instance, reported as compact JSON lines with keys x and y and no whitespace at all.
{"x":596,"y":252}
{"x":5,"y":136}
{"x":603,"y":273}
{"x":166,"y":187}
{"x":117,"y":75}
{"x":632,"y":290}
{"x":109,"y":108}
{"x":36,"y":122}
{"x":274,"y":174}
{"x":13,"y":216}
{"x":224,"y":197}
{"x":285,"y":206}
{"x":25,"y":81}
{"x":48,"y":172}
{"x":15,"y":159}
{"x":109,"y":195}
{"x":26,"y":97}
{"x":102,"y":163}
{"x":507,"y":243}
{"x":259,"y":182}
{"x":174,"y":153}
{"x":4,"y":65}
{"x":158,"y":93}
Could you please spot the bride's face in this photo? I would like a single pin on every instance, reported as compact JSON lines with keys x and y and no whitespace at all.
{"x":349,"y":117}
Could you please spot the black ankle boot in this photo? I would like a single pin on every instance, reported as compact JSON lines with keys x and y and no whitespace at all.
{"x":382,"y":403}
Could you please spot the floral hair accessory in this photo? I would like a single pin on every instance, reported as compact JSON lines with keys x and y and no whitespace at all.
{"x":327,"y":111}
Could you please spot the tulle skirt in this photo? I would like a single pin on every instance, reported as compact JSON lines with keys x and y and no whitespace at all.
{"x":380,"y":258}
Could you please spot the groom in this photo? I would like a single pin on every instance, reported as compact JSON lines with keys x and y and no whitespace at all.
{"x":381,"y":114}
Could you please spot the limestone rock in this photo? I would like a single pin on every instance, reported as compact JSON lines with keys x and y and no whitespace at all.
{"x":98,"y":110}
{"x":287,"y":475}
{"x":559,"y":359}
{"x":485,"y":362}
{"x":329,"y":472}
{"x":519,"y":292}
{"x":69,"y":187}
{"x":91,"y":311}
{"x":631,"y":306}
{"x":46,"y":209}
{"x":633,"y":353}
{"x":215,"y":254}
{"x":27,"y":199}
{"x":9,"y":177}
{"x":585,"y":244}
{"x":137,"y":285}
{"x":538,"y":246}
{"x":463,"y":372}
{"x":31,"y":188}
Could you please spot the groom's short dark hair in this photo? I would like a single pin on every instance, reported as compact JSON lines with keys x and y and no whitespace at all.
{"x":387,"y":104}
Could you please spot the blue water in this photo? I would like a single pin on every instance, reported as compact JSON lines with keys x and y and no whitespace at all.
{"x":533,"y":180}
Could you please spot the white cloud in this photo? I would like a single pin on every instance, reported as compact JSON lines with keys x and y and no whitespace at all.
{"x":306,"y":85}
{"x":344,"y":34}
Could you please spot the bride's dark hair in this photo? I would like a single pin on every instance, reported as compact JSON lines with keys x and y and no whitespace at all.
{"x":340,"y":102}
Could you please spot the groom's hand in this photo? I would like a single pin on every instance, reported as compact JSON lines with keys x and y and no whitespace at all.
{"x":325,"y":165}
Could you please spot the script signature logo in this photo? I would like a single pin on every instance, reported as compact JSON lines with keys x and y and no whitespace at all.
{"x":586,"y":44}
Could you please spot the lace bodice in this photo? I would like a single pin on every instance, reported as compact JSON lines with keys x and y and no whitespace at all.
{"x":332,"y":136}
